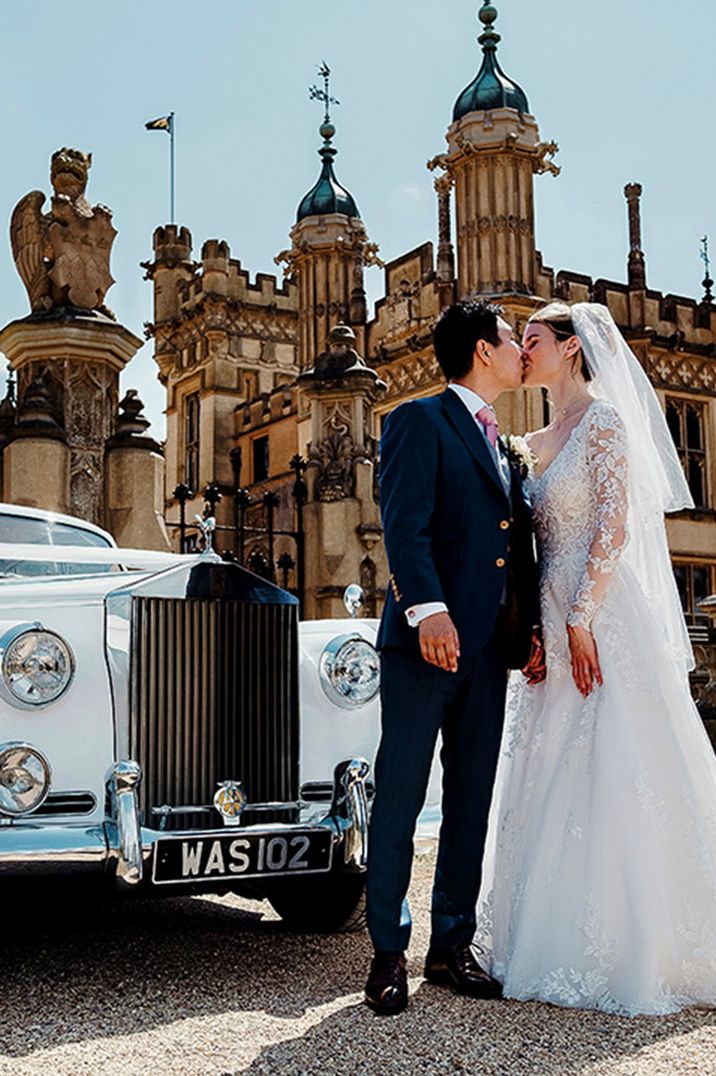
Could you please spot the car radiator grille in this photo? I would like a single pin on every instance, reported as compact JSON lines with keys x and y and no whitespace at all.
{"x":214,"y":697}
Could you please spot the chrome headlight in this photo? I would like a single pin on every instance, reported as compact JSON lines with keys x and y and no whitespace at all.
{"x":24,"y":779}
{"x":349,"y":670}
{"x":37,"y":665}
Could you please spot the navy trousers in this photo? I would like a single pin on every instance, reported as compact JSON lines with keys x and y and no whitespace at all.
{"x":418,"y":701}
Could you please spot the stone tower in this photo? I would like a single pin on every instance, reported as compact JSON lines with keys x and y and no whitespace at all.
{"x":220,"y":340}
{"x":329,"y":251}
{"x":494,"y":150}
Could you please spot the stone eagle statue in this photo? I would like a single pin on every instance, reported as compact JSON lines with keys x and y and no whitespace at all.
{"x":63,"y":256}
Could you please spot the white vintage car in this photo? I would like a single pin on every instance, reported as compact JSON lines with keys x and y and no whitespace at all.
{"x":167,"y":725}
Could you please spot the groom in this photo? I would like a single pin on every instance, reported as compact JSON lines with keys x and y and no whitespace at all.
{"x":462,"y":609}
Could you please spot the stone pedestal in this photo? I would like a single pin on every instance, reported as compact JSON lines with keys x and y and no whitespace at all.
{"x":80,"y":358}
{"x":36,"y":472}
{"x":134,"y":481}
{"x":135,"y":498}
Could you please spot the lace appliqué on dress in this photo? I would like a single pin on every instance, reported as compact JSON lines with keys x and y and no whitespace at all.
{"x":607,"y":459}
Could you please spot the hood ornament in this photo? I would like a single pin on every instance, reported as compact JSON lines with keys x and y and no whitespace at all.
{"x":207,"y":527}
{"x":230,"y":799}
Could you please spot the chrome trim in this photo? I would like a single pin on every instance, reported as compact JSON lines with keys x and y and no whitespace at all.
{"x":29,"y":849}
{"x":213,"y":697}
{"x":122,"y":849}
{"x":195,"y":808}
{"x":349,"y":810}
{"x":63,"y":803}
{"x":353,"y":599}
{"x":123,"y":784}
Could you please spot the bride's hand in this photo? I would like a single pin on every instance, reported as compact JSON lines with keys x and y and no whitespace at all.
{"x":585,"y":659}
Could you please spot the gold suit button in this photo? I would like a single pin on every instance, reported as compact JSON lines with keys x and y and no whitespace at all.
{"x":504,"y":525}
{"x":500,"y":562}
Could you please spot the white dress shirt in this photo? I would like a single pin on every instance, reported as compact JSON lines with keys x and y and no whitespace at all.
{"x":474,"y":403}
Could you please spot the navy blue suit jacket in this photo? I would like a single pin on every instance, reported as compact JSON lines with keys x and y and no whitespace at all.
{"x":452,"y":533}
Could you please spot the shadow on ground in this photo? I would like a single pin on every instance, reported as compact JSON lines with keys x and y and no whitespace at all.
{"x":71,"y":965}
{"x":93,"y":968}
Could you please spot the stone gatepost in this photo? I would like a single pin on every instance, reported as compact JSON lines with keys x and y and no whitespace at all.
{"x":342,"y":516}
{"x":80,"y":358}
{"x":134,"y":481}
{"x":70,"y":340}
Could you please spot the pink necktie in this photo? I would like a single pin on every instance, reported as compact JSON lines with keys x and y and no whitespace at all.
{"x":486,"y":417}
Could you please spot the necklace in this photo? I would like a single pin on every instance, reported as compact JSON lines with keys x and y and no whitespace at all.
{"x":572,"y":409}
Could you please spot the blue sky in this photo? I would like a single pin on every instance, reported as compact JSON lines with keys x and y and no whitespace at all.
{"x":624,"y":89}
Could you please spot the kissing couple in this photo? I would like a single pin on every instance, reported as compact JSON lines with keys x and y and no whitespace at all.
{"x":576,"y":861}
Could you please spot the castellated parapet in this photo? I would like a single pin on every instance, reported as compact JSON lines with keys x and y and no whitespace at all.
{"x":221,"y":338}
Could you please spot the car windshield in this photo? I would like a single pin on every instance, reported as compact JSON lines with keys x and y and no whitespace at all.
{"x":25,"y":530}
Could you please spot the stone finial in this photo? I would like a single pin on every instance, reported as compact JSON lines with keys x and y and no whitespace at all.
{"x":63,"y":256}
{"x":131,"y":425}
{"x":131,"y":420}
{"x":636,"y":262}
{"x":489,"y":38}
{"x":340,"y":359}
{"x":8,"y":410}
{"x":35,"y":416}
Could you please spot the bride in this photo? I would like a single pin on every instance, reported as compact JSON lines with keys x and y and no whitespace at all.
{"x":599,"y":879}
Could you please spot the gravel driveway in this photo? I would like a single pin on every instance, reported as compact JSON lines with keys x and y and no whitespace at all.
{"x":213,"y":986}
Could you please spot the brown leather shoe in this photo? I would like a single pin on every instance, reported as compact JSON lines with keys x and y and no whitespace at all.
{"x":386,"y":991}
{"x":458,"y":967}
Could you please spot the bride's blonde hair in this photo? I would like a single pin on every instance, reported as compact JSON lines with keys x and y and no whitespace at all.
{"x":558,"y":317}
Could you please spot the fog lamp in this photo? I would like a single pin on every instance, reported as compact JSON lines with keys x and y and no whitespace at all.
{"x":24,"y":779}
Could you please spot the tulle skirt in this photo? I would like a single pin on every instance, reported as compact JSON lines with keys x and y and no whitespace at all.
{"x":599,"y":878}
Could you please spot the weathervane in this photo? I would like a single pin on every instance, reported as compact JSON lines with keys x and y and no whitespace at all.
{"x":707,"y":282}
{"x":316,"y":94}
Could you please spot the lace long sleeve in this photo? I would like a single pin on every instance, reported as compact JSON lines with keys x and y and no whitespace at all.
{"x":606,"y":441}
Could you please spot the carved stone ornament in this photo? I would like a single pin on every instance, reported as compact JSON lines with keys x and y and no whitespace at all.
{"x":334,"y":459}
{"x":63,"y":256}
{"x":543,"y":162}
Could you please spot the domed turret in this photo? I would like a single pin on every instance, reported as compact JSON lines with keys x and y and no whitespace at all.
{"x":491,"y":88}
{"x":327,"y":196}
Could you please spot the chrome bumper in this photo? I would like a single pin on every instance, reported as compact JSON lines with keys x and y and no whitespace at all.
{"x":122,"y":848}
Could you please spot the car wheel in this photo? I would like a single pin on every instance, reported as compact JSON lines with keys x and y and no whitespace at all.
{"x":332,"y":903}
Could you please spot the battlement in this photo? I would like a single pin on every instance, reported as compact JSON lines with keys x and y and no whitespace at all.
{"x":665,"y":316}
{"x":266,"y":408}
{"x":215,"y":250}
{"x":172,"y":244}
{"x":218,"y":274}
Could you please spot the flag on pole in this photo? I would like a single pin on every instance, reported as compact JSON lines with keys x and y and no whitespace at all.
{"x":164,"y":123}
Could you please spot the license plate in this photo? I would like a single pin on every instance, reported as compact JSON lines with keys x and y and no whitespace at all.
{"x":209,"y":857}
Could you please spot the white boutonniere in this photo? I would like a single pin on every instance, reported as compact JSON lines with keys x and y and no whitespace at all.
{"x":519,"y":454}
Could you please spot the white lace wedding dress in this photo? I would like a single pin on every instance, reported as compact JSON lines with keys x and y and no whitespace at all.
{"x":599,"y":880}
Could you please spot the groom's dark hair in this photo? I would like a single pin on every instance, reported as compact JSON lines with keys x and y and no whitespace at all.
{"x":457,"y":331}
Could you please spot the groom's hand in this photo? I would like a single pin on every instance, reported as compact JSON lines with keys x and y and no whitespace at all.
{"x":439,"y":643}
